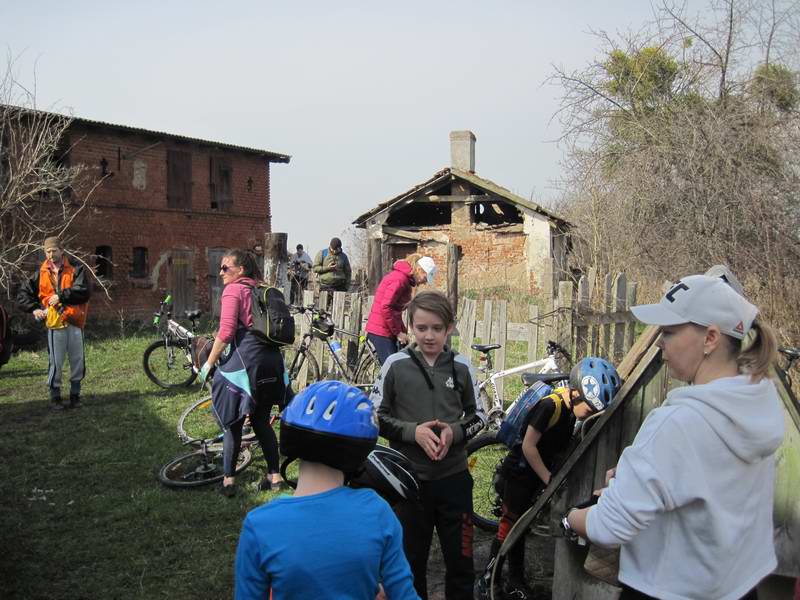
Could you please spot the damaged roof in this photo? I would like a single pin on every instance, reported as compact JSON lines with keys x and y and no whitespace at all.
{"x":448,"y":175}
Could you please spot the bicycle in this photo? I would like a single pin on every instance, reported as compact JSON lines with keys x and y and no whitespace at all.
{"x":168,"y":362}
{"x":202,"y":466}
{"x":366,"y":369}
{"x":485,"y":452}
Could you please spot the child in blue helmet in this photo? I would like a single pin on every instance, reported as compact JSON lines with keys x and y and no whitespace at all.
{"x":328,"y":540}
{"x":545,"y":434}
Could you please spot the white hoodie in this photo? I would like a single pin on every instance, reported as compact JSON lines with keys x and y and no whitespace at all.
{"x":691,"y":503}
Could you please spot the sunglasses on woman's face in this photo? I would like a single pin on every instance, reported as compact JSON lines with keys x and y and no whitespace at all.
{"x":225,"y":268}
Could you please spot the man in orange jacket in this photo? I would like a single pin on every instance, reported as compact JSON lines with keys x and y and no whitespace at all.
{"x":58,"y":293}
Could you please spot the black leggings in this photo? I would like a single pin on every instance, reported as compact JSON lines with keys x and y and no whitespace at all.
{"x":232,"y":440}
{"x":631,"y":594}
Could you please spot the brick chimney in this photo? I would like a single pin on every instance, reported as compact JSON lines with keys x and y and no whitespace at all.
{"x":462,"y":150}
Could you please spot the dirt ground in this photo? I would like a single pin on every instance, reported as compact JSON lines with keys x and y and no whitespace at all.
{"x":539,"y":553}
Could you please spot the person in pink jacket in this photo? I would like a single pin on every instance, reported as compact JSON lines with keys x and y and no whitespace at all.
{"x":385,"y":327}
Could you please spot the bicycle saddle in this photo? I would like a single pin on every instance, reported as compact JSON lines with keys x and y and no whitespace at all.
{"x":485,"y":347}
{"x":192,"y":314}
{"x":531,"y":378}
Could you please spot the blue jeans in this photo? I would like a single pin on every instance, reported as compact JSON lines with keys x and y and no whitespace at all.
{"x":384,"y":346}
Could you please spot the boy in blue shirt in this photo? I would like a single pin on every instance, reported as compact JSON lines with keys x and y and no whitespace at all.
{"x":328,"y":540}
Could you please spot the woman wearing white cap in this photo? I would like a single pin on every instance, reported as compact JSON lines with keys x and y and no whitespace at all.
{"x":691,"y":501}
{"x":385,"y":327}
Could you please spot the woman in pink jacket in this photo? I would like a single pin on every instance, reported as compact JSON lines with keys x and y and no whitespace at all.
{"x":385,"y":326}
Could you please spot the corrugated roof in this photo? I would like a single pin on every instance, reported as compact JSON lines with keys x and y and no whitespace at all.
{"x":270,"y":156}
{"x":448,"y":174}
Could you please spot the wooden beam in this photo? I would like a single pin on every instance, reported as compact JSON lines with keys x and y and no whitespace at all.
{"x":375,"y":264}
{"x":521,"y":526}
{"x":471,"y":198}
{"x":402,"y":233}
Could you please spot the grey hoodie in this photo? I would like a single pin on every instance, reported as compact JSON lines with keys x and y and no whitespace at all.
{"x":691,"y":503}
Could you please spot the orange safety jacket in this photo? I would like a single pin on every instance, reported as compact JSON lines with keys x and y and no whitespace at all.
{"x":74,"y":314}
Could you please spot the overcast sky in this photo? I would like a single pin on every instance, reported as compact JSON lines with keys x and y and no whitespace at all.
{"x":362,"y":95}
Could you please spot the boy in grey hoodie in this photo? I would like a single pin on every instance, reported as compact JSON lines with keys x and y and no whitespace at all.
{"x":425,"y":398}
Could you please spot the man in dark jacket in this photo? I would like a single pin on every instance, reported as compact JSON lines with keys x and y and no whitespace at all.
{"x":332,"y":268}
{"x":58,"y":293}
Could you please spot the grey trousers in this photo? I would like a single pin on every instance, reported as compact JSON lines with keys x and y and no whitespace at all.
{"x":63,"y":343}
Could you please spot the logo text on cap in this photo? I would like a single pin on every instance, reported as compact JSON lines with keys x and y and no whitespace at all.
{"x":670,"y":295}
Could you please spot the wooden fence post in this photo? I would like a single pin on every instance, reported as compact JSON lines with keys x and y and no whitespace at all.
{"x":632,"y":289}
{"x":620,"y":295}
{"x":582,"y":329}
{"x":452,"y":275}
{"x":486,"y":332}
{"x":533,"y":333}
{"x":466,"y":327}
{"x":500,"y":330}
{"x":374,"y":263}
{"x":354,"y":327}
{"x":607,"y":300}
{"x":564,"y":314}
{"x":276,"y":259}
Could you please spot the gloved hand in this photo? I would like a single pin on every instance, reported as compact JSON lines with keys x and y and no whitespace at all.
{"x":203,"y":375}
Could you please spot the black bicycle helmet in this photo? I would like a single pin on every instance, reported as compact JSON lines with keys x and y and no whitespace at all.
{"x":331,"y":423}
{"x":389,"y":473}
{"x":596,"y":380}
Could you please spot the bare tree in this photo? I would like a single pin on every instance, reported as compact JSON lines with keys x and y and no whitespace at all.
{"x":682,"y":149}
{"x":41,"y":194}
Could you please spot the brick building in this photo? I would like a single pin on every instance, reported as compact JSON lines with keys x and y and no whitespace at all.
{"x":503,"y":239}
{"x":165,"y":212}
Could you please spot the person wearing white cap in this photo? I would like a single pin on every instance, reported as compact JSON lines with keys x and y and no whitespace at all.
{"x":690,"y":502}
{"x":385,"y":327}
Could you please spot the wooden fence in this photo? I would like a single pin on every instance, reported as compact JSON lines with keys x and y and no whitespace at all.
{"x":591,"y":318}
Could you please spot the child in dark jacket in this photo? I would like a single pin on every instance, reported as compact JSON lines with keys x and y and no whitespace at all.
{"x":426,"y":400}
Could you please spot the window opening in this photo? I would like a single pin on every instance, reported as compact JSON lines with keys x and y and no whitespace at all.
{"x":104,"y":266}
{"x":139,"y":264}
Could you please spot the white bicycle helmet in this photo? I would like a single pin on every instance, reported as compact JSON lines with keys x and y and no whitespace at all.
{"x":389,"y":473}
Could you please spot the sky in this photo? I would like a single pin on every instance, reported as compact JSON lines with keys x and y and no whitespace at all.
{"x":362,"y":95}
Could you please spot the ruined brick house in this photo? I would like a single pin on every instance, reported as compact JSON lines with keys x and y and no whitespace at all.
{"x":168,"y":209}
{"x":504,"y":240}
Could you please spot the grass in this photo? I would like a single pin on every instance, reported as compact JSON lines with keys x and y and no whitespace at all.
{"x":83,"y":515}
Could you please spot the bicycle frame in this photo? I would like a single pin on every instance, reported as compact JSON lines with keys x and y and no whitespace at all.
{"x":497,"y":412}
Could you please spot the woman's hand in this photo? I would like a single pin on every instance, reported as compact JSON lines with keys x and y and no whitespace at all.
{"x":203,"y":375}
{"x":402,"y":338}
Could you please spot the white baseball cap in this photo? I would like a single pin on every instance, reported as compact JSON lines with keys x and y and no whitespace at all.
{"x":702,"y":300}
{"x":426,"y":264}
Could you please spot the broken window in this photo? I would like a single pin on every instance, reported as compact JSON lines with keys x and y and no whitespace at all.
{"x":104,"y":266}
{"x":494,"y":213}
{"x":421,"y":214}
{"x":221,"y":178}
{"x":179,"y":179}
{"x":139,"y":266}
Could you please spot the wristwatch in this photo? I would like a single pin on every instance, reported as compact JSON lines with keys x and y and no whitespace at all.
{"x":569,"y":532}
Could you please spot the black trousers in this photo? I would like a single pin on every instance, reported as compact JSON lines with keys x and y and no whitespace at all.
{"x":232,"y":440}
{"x":631,"y":594}
{"x":446,"y":504}
{"x":519,"y":490}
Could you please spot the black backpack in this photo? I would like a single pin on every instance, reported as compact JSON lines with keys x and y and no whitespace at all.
{"x":271,"y":317}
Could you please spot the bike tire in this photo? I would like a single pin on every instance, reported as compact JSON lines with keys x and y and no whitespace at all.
{"x":195,"y":470}
{"x":198,"y":422}
{"x":366,"y":373}
{"x":168,"y":371}
{"x":484,"y":452}
{"x":294,"y":366}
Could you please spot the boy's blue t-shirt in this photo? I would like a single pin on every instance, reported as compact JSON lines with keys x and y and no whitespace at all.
{"x":337,"y":544}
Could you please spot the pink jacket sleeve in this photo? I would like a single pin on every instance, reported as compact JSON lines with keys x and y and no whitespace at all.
{"x":234,"y":310}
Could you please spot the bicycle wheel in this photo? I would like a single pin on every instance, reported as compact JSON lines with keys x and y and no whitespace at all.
{"x":198,"y":422}
{"x":199,"y":468}
{"x":294,"y":361}
{"x":168,"y":365}
{"x":484,"y":453}
{"x":367,"y":372}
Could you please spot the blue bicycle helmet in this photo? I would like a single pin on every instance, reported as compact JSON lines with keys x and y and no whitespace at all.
{"x":596,"y":380}
{"x":331,"y":423}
